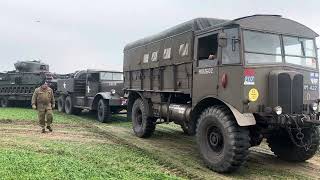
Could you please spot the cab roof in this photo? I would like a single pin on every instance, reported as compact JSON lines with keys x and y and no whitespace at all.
{"x":262,"y":22}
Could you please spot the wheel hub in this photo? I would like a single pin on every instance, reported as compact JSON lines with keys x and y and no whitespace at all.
{"x":215,"y":139}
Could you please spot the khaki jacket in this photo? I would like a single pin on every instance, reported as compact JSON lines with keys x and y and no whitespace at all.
{"x":43,"y":99}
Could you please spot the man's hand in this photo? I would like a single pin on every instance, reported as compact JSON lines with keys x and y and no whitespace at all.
{"x":34,"y":107}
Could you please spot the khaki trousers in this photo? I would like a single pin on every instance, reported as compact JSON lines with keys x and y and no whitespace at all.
{"x":45,"y":117}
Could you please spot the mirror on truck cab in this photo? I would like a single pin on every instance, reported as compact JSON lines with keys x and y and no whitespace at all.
{"x":222,"y":39}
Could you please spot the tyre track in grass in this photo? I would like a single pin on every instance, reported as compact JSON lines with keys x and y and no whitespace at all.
{"x":172,"y":147}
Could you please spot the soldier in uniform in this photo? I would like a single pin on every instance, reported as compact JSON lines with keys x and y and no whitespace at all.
{"x":43,"y":101}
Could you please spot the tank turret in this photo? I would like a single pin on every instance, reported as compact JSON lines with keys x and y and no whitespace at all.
{"x":31,"y":66}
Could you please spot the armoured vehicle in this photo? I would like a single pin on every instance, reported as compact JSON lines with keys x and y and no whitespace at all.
{"x":94,"y":90}
{"x":16,"y":87}
{"x":230,"y":82}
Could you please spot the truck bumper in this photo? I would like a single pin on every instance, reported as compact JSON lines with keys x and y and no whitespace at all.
{"x":289,"y":120}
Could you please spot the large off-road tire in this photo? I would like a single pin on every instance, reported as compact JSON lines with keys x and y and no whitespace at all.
{"x":223,"y":144}
{"x":4,"y":102}
{"x":61,"y":103}
{"x":283,"y":147}
{"x":103,"y":111}
{"x":68,"y":107}
{"x":143,"y":126}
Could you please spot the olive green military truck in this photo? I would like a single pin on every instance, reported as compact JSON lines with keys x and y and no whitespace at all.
{"x":230,"y":82}
{"x":94,"y":90}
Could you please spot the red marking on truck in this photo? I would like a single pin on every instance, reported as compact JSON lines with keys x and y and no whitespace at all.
{"x":249,"y":72}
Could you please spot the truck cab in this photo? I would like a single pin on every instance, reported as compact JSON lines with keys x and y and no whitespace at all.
{"x":94,"y":90}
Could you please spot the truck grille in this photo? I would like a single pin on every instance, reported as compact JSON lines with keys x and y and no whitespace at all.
{"x":297,"y":94}
{"x":286,"y":90}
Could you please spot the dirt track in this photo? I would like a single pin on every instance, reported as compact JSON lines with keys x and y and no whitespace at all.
{"x":171,"y":149}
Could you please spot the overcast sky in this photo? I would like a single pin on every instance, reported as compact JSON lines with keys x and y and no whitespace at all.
{"x":79,"y":34}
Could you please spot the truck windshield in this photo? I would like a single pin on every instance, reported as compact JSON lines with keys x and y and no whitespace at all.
{"x":262,"y":48}
{"x":299,"y":51}
{"x":107,"y":76}
{"x":265,"y":48}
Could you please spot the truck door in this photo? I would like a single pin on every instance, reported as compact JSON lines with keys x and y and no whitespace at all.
{"x":231,"y":69}
{"x":92,"y":87}
{"x":205,"y":71}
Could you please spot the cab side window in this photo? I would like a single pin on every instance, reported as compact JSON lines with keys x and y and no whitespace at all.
{"x":94,"y":77}
{"x":208,"y":51}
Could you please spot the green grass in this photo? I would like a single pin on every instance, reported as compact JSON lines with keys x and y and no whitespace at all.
{"x":72,"y":151}
{"x":24,"y":114}
{"x":65,"y":160}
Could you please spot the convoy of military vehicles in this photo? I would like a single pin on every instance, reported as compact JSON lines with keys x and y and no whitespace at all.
{"x":232,"y":83}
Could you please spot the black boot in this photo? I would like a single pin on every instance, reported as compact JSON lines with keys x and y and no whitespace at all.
{"x":43,"y":130}
{"x":49,"y":128}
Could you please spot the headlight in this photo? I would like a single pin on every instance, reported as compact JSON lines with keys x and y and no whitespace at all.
{"x":314,"y":106}
{"x":278,"y":110}
{"x":113,"y":91}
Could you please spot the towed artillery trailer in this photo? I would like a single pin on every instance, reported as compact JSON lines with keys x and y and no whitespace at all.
{"x":17,"y":87}
{"x":94,"y":90}
{"x":230,"y":82}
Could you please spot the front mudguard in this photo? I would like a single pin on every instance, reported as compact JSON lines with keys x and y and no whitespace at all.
{"x":114,"y":99}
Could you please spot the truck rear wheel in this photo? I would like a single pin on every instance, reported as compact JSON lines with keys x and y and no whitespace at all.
{"x":283,"y":147}
{"x":103,"y":111}
{"x":68,"y":107}
{"x":143,"y":126}
{"x":61,"y":103}
{"x":222,"y":143}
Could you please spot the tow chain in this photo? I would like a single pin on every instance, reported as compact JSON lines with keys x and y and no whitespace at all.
{"x":300,"y":135}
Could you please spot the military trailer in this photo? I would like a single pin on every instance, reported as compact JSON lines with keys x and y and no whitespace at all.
{"x":230,"y":82}
{"x":16,"y":87}
{"x":94,"y":90}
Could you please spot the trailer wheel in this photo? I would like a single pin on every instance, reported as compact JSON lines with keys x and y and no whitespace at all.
{"x":68,"y":107}
{"x":283,"y":147}
{"x":4,"y":102}
{"x":103,"y":111}
{"x":61,"y":104}
{"x":143,"y":126}
{"x":222,"y":143}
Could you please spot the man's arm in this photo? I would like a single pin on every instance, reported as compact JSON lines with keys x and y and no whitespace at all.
{"x":34,"y":99}
{"x":53,"y":102}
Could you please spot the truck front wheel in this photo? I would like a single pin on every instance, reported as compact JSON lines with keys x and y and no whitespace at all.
{"x":61,"y":103}
{"x":143,"y":126}
{"x":103,"y":113}
{"x":222,"y":143}
{"x":283,"y":147}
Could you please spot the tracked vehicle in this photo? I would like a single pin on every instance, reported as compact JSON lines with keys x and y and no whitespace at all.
{"x":230,"y":82}
{"x":94,"y":90}
{"x":16,"y":87}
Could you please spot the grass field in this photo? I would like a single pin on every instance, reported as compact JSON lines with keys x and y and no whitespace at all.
{"x":81,"y":148}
